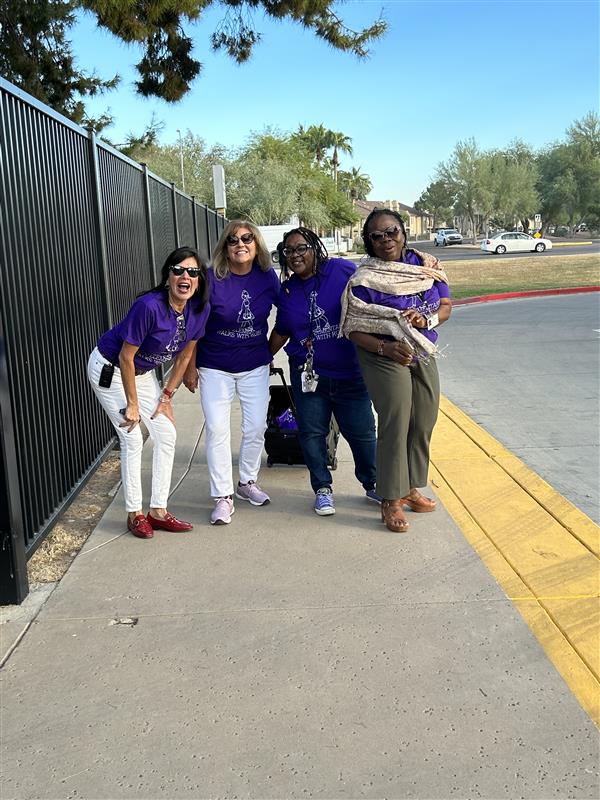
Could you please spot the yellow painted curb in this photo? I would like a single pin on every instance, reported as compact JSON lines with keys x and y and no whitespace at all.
{"x":569,"y":244}
{"x":543,"y":551}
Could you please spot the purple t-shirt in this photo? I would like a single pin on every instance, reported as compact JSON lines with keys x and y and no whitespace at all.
{"x":425,"y":302}
{"x":156,"y":328}
{"x":319,"y":297}
{"x":236,"y":330}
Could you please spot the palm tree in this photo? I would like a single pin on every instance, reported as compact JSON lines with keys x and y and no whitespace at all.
{"x":317,"y":138}
{"x":355,"y":183}
{"x":342,"y":144}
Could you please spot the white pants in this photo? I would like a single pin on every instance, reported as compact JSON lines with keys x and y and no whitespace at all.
{"x":217,"y":390}
{"x":161,"y":430}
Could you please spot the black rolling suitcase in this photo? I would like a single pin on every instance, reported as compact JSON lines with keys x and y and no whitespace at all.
{"x":282,"y":444}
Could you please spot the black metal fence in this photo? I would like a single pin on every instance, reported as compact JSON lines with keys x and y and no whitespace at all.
{"x":82,"y":231}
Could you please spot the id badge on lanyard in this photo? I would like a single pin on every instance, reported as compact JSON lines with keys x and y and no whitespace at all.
{"x":309,"y":377}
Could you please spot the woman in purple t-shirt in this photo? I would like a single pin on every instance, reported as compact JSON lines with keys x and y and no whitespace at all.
{"x":392,"y":306}
{"x":233,"y":358}
{"x":308,"y":315}
{"x":162,"y":324}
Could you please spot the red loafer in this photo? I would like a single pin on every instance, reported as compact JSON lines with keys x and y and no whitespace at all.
{"x":169,"y":523}
{"x":139,"y":527}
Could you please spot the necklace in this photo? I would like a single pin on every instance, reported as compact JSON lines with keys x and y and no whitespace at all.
{"x":173,"y":307}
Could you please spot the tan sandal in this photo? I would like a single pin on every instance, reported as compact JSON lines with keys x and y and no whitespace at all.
{"x":420,"y":504}
{"x":393,"y":516}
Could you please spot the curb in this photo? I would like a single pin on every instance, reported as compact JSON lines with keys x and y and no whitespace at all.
{"x":569,"y":244}
{"x":486,"y":298}
{"x":515,"y":522}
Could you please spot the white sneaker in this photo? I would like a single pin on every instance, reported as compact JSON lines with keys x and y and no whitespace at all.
{"x":221,"y":513}
{"x":252,"y":492}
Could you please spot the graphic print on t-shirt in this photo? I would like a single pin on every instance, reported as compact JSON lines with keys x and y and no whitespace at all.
{"x":320,"y":325}
{"x":245,"y":320}
{"x":171,"y":349}
{"x":175,"y":344}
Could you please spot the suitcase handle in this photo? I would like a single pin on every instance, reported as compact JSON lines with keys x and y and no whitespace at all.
{"x":278,"y":371}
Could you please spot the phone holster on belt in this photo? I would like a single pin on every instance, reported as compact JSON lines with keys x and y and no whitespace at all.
{"x":106,"y":376}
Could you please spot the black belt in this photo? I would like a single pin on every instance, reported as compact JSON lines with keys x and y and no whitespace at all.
{"x":138,"y":371}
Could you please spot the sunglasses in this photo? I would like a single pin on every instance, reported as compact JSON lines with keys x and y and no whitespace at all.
{"x":246,"y":238}
{"x":193,"y":272}
{"x":389,"y":233}
{"x":300,"y":250}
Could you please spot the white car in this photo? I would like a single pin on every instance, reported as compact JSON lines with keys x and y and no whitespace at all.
{"x":447,"y":236}
{"x":515,"y":242}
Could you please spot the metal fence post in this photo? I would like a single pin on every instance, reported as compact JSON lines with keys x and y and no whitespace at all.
{"x":14,"y":585}
{"x":100,"y":228}
{"x":175,"y":220}
{"x":195,"y":222}
{"x":208,"y":232}
{"x":216,"y":222}
{"x":148,"y":207}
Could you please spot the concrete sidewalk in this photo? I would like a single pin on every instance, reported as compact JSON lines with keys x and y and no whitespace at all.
{"x":286,"y":655}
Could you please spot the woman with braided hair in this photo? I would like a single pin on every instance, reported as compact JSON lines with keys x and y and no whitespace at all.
{"x":324,"y":370}
{"x":391,"y":308}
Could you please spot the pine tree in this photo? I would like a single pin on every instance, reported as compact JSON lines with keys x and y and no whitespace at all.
{"x":36,"y":56}
{"x":168,"y":67}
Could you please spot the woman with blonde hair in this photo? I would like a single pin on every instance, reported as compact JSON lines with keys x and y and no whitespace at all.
{"x":233,"y":358}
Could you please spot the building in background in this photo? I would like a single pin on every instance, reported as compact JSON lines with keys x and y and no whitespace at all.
{"x":417,"y":223}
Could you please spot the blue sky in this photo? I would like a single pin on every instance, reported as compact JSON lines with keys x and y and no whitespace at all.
{"x":445,"y":71}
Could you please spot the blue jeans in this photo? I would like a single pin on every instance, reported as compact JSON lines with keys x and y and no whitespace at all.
{"x":350,"y":404}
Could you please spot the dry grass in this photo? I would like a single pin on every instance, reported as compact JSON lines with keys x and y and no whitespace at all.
{"x":53,"y":557}
{"x":497,"y":274}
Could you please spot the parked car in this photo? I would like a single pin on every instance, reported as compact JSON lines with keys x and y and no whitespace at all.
{"x":446,"y":236}
{"x":514,"y":242}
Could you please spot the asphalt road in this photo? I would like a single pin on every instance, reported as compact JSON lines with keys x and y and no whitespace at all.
{"x":527,"y":370}
{"x":457,"y":252}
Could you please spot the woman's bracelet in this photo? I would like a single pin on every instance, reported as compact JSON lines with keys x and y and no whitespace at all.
{"x":164,"y":399}
{"x":380,"y":345}
{"x":169,"y":392}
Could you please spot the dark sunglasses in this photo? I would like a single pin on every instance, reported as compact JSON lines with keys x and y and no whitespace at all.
{"x":193,"y":272}
{"x":389,"y":233}
{"x":246,"y":238}
{"x":301,"y":249}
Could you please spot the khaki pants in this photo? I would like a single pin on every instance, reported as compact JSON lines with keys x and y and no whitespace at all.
{"x":406,"y":400}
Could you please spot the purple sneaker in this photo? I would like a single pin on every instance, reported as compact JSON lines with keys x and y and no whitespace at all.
{"x":252,"y":492}
{"x":324,"y":506}
{"x":221,"y":513}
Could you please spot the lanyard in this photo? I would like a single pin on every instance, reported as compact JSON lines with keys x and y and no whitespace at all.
{"x":311,"y":301}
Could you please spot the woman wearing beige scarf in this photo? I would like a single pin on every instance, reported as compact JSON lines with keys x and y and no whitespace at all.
{"x":390,"y":310}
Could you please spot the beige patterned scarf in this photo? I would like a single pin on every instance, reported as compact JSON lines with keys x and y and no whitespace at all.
{"x":396,"y":278}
